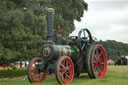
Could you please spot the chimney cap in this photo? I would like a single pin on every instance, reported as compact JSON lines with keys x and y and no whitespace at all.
{"x":50,"y":9}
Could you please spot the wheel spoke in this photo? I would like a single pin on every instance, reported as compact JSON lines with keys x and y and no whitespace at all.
{"x":83,"y":46}
{"x":100,"y":54}
{"x":36,"y":76}
{"x":84,"y":33}
{"x":95,"y":68}
{"x":62,"y":75}
{"x":67,"y":75}
{"x":95,"y":57}
{"x":97,"y":52}
{"x":62,"y":65}
{"x":100,"y":70}
{"x":66,"y":64}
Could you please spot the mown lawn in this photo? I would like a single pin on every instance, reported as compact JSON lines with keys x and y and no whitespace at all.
{"x":12,"y":73}
{"x":116,"y":75}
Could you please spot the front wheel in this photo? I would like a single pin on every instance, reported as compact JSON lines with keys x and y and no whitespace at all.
{"x":64,"y":70}
{"x":34,"y":74}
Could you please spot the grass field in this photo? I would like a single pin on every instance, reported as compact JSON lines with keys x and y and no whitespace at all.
{"x":12,"y":73}
{"x":116,"y":75}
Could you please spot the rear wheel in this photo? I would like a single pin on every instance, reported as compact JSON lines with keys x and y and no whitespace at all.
{"x":97,"y":62}
{"x":35,"y":75}
{"x":64,"y":70}
{"x":88,"y":61}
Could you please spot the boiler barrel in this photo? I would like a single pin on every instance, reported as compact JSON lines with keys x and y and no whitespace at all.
{"x":52,"y":52}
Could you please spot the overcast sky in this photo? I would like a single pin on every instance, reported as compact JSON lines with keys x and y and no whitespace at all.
{"x":106,"y":19}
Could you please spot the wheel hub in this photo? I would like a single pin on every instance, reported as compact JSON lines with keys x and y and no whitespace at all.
{"x":99,"y":62}
{"x":67,"y":69}
{"x":63,"y":70}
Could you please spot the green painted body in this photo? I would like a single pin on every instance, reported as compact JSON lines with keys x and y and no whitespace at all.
{"x":56,"y":51}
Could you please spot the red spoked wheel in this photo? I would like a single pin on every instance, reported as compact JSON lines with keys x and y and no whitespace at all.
{"x":97,"y":62}
{"x":35,"y":75}
{"x":64,"y":70}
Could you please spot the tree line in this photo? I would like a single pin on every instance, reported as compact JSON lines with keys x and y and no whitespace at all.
{"x":114,"y":48}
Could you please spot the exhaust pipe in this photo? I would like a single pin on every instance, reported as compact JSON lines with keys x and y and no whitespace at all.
{"x":50,"y":19}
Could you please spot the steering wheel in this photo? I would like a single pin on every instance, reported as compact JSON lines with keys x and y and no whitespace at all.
{"x":84,"y":40}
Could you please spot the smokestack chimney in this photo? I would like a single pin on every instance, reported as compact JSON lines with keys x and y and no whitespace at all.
{"x":50,"y":19}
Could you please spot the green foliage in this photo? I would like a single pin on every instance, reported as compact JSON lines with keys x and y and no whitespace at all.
{"x":23,"y":25}
{"x":22,"y":31}
{"x":1,"y":50}
{"x":112,"y":48}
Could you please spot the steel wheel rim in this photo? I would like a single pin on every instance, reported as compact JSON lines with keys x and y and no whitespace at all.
{"x":65,"y":70}
{"x":35,"y":75}
{"x":99,"y":62}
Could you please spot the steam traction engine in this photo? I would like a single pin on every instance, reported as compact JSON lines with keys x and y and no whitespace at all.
{"x":67,"y":58}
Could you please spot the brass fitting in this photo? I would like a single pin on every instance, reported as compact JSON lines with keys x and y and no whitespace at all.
{"x":50,"y":9}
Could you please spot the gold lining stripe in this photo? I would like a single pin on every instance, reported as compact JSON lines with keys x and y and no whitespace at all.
{"x":65,"y":52}
{"x":70,"y":52}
